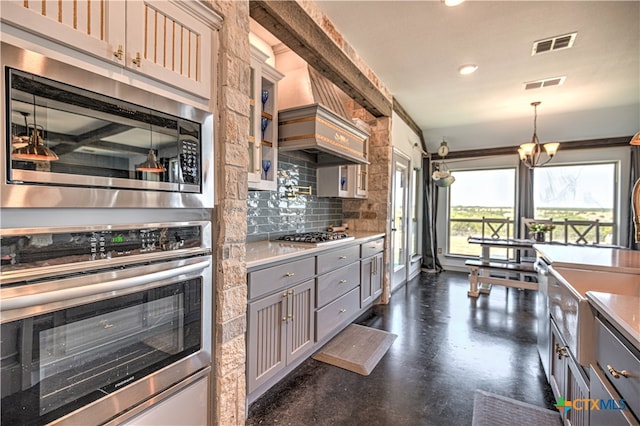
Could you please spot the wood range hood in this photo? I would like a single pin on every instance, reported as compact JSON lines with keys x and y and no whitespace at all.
{"x":312,"y":117}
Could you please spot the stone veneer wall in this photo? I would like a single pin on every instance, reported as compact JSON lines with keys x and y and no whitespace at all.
{"x":272,"y":213}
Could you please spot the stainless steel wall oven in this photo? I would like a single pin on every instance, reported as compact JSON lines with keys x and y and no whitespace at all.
{"x":97,"y":319}
{"x":77,"y":139}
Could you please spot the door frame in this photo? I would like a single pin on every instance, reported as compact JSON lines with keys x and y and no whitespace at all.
{"x":399,"y":276}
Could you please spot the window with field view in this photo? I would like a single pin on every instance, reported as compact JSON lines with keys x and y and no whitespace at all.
{"x":584,"y":192}
{"x":474,"y":195}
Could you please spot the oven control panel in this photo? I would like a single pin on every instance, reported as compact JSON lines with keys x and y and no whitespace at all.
{"x":71,"y":246}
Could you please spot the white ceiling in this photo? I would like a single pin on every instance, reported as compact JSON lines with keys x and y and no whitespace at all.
{"x":416,"y":47}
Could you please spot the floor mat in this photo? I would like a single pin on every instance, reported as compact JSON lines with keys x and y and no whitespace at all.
{"x":490,"y":409}
{"x":357,"y":348}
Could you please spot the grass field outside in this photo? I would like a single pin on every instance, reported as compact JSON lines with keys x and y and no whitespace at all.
{"x":466,"y":222}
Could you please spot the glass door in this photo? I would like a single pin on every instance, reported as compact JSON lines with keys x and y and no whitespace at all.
{"x":399,"y":218}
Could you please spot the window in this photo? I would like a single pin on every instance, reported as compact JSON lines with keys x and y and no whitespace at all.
{"x":584,"y":192}
{"x":474,"y":195}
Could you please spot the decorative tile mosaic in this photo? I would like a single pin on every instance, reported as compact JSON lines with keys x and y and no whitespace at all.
{"x":274,"y":213}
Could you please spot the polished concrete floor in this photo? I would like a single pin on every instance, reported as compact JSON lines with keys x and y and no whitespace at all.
{"x":448,"y":346}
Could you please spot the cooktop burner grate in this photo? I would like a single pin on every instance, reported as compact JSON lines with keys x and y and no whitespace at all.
{"x":316,"y":237}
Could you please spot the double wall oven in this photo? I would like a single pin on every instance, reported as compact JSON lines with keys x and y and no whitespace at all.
{"x":106,"y":282}
{"x":96,"y":320}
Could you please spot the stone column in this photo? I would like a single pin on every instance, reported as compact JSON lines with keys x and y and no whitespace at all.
{"x":374,"y":213}
{"x":232,"y":113}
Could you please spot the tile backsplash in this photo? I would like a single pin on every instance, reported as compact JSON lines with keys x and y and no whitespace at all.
{"x":273,"y":213}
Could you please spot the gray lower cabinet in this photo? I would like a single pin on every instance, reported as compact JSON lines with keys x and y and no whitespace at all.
{"x":567,"y":379}
{"x":370,"y":279}
{"x":617,"y":370}
{"x":281,"y":329}
{"x":317,"y":296}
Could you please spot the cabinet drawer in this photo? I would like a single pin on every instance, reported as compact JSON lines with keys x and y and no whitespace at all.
{"x":610,"y":351}
{"x":337,"y":258}
{"x":336,"y":283}
{"x":270,"y":279}
{"x":601,"y":390}
{"x":337,"y":313}
{"x":372,"y":247}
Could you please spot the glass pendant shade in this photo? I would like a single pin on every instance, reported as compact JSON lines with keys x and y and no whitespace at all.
{"x":635,"y":140}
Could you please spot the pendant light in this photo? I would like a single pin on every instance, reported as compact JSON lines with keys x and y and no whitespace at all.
{"x":635,"y":140}
{"x":531,"y":153}
{"x":151,"y":164}
{"x":35,"y":149}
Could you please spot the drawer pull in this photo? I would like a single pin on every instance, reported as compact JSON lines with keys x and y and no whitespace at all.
{"x":615,"y":373}
{"x":289,"y":274}
{"x":342,"y":257}
{"x":343,"y":281}
{"x":342,"y":311}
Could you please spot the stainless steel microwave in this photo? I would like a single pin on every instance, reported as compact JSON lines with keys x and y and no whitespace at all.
{"x":77,"y":139}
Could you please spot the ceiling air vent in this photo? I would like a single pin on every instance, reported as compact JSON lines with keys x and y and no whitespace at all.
{"x":547,"y":82}
{"x":555,"y":43}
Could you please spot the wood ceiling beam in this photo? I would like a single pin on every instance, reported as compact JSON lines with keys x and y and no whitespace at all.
{"x":290,"y":23}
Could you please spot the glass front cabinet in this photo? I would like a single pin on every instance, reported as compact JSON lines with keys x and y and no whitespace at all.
{"x":263,"y":119}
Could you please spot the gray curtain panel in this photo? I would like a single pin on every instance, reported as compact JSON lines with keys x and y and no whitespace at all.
{"x":633,"y":176}
{"x":430,"y":259}
{"x":524,"y":207}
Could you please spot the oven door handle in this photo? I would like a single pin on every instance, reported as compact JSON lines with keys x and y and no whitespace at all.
{"x":67,"y":294}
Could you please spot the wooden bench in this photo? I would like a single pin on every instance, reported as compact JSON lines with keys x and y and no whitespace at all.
{"x":483,"y":274}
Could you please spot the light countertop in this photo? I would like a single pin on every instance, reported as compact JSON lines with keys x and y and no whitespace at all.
{"x":623,"y":312}
{"x":592,"y":258}
{"x":260,"y":253}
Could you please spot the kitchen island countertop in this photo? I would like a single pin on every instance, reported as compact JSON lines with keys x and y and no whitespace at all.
{"x":592,"y":258}
{"x":260,"y":253}
{"x":623,"y":312}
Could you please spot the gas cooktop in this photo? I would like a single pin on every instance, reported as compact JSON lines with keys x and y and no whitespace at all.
{"x":315,"y":238}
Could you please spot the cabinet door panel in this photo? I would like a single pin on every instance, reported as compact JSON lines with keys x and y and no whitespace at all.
{"x":376,"y":277}
{"x":557,"y":367}
{"x":93,"y":27}
{"x":300,"y":327}
{"x":266,"y":344}
{"x":170,"y":45}
{"x":366,"y":270}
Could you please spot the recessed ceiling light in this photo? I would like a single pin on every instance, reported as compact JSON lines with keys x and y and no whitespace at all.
{"x":452,"y":2}
{"x":467,"y":69}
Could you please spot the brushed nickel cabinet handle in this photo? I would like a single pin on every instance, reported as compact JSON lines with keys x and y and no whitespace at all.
{"x":615,"y":373}
{"x":286,"y":306}
{"x":342,"y":311}
{"x":343,"y":281}
{"x":289,"y":274}
{"x":342,"y":257}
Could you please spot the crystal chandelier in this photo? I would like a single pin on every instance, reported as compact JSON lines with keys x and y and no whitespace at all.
{"x":531,"y":153}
